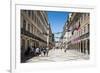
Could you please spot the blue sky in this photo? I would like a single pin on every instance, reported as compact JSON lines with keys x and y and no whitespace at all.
{"x":57,"y":21}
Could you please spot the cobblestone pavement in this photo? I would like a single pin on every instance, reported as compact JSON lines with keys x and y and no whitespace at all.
{"x":60,"y":55}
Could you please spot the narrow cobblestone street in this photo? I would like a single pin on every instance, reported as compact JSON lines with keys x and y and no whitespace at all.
{"x":59,"y":55}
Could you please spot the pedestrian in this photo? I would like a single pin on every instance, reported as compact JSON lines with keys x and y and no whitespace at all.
{"x":41,"y":50}
{"x":37,"y":51}
{"x":33,"y":51}
{"x":27,"y":52}
{"x":65,"y":50}
{"x":44,"y":51}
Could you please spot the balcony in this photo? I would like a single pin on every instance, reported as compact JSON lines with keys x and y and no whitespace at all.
{"x":34,"y":36}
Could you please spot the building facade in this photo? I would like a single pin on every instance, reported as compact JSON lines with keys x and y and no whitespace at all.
{"x":79,"y":32}
{"x":64,"y":37}
{"x":34,"y":27}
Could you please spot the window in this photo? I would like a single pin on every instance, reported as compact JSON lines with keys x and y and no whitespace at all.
{"x":88,"y":46}
{"x":88,"y":14}
{"x":22,"y":44}
{"x":24,"y":24}
{"x":82,"y":17}
{"x":35,"y":19}
{"x":85,"y":16}
{"x":29,"y":13}
{"x":33,"y":29}
{"x":28,"y":43}
{"x":81,"y":46}
{"x":32,"y":15}
{"x":29,"y":27}
{"x":84,"y":45}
